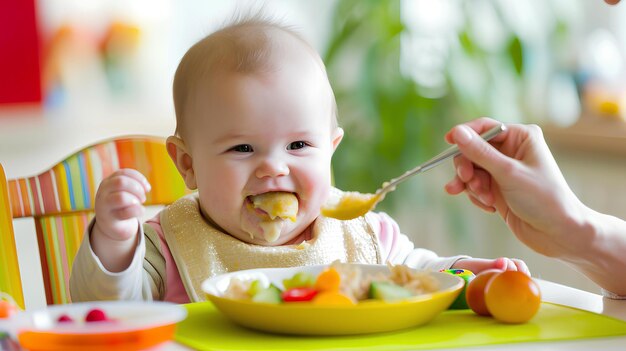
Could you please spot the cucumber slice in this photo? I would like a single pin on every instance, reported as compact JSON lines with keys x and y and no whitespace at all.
{"x":299,"y":280}
{"x":388,"y":291}
{"x":271,"y":294}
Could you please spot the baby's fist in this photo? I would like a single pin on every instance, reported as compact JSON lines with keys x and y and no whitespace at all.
{"x":119,"y":203}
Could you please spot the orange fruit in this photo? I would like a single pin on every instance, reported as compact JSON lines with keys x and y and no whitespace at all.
{"x":512,"y":297}
{"x":475,"y":291}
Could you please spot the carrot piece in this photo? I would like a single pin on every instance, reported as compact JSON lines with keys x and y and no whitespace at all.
{"x":332,"y":298}
{"x":328,"y":280}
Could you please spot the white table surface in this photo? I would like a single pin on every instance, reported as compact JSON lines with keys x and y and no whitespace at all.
{"x":556,"y":293}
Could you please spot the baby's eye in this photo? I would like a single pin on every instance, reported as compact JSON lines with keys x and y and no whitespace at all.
{"x":297,"y":145}
{"x":242,"y":148}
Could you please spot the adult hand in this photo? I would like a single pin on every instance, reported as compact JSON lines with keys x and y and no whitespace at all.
{"x":516,"y":175}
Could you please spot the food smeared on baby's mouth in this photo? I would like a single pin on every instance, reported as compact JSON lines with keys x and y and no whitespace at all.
{"x":275,"y":206}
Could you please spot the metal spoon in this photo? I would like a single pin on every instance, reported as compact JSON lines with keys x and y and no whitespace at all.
{"x":353,"y":204}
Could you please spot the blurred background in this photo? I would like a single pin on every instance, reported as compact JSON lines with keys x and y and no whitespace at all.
{"x":404,"y":72}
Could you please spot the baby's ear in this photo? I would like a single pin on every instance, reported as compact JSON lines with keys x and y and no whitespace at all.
{"x":182,"y":159}
{"x":337,"y":136}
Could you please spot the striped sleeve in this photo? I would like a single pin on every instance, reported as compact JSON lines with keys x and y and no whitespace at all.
{"x":91,"y":281}
{"x":154,"y":262}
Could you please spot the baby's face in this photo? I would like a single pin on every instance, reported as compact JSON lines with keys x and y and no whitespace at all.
{"x":255,"y":133}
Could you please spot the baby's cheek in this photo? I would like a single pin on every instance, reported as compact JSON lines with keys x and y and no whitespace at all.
{"x":316,"y":197}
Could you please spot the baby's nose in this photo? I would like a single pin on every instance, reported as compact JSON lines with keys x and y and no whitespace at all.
{"x":272,"y":167}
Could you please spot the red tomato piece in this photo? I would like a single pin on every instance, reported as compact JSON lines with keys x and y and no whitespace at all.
{"x":299,"y":294}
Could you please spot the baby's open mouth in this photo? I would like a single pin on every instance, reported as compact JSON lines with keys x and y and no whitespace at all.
{"x":276,"y":204}
{"x":271,"y":210}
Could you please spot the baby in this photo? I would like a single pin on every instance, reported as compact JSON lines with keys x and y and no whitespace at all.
{"x":256,"y":129}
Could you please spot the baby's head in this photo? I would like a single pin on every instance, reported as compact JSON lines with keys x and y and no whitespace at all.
{"x":255,"y":115}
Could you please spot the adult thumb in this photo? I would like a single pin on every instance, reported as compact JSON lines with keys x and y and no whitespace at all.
{"x":479,"y":151}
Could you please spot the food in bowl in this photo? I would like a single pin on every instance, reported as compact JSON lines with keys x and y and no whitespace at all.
{"x":93,"y":315}
{"x":338,"y":284}
{"x":306,"y":318}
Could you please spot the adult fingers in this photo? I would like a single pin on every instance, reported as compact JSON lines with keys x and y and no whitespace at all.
{"x":455,"y":186}
{"x":464,"y":168}
{"x":479,"y":151}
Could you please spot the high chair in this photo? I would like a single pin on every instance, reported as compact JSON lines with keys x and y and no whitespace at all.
{"x":61,"y":202}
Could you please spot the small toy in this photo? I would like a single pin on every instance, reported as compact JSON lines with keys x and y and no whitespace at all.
{"x":461,"y":302}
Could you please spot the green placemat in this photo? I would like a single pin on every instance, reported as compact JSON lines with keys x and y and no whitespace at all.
{"x":207,"y":329}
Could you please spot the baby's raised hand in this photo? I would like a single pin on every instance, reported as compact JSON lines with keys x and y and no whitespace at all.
{"x":119,"y":204}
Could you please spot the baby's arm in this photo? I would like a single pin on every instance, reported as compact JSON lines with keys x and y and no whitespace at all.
{"x":397,"y":248}
{"x":477,"y":265}
{"x":118,"y":206}
{"x":142,"y":280}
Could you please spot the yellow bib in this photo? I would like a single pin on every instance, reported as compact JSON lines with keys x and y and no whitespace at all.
{"x":202,"y":251}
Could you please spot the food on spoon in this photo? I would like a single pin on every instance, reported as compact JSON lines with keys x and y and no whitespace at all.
{"x":339,"y":284}
{"x":351,"y":205}
{"x":277,"y":204}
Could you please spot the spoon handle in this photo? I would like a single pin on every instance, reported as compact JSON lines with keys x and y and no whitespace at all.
{"x":437,"y":160}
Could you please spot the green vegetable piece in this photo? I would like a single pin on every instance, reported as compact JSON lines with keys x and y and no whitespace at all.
{"x":299,"y":280}
{"x":388,"y":291}
{"x":271,"y":294}
{"x":255,"y":287}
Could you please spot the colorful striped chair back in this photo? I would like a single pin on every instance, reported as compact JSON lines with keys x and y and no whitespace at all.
{"x":61,"y":201}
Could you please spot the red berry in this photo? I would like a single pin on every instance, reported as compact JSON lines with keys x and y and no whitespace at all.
{"x":96,"y":315}
{"x":64,"y":319}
